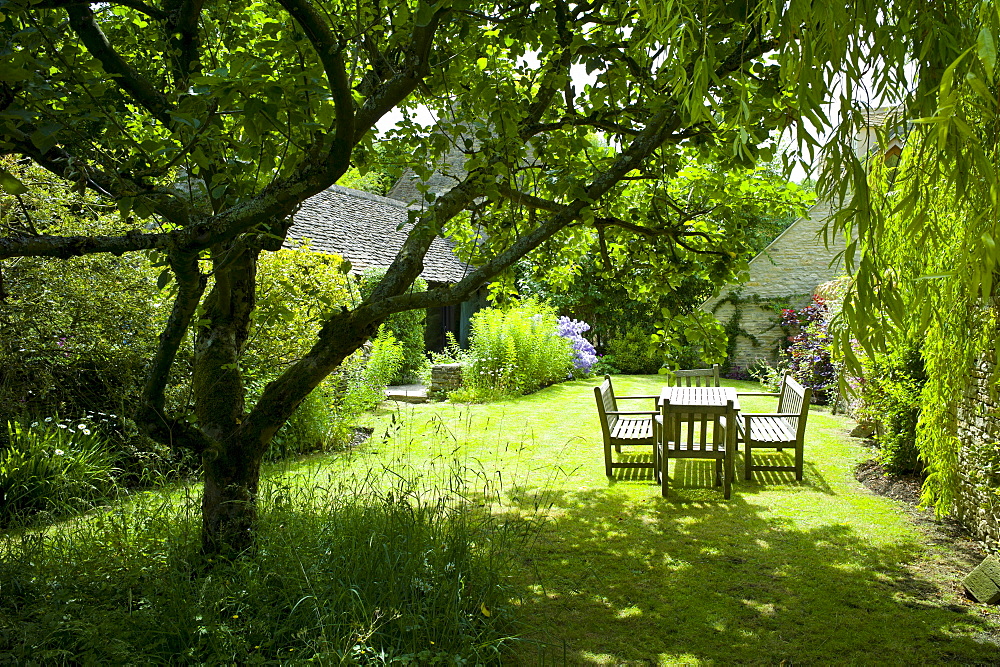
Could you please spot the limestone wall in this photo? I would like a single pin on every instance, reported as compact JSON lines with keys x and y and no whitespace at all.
{"x":784,"y":275}
{"x":444,"y":378}
{"x":978,"y":505}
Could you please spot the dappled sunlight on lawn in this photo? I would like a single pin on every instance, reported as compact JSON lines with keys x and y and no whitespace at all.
{"x":810,"y":571}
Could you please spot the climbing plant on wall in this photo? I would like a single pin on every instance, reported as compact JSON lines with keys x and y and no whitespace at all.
{"x":734,"y":324}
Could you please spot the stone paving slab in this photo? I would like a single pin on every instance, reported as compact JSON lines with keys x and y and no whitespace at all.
{"x":407,"y":393}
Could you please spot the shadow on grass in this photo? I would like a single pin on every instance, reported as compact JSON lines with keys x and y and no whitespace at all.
{"x":694,"y":473}
{"x":703,"y":579}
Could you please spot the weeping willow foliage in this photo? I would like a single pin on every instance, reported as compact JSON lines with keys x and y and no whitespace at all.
{"x":922,"y":236}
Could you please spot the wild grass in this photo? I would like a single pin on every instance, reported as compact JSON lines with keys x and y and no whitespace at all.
{"x":381,"y":568}
{"x":52,"y":467}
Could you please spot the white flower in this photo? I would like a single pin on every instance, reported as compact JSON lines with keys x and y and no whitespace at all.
{"x":48,"y":419}
{"x":82,"y":426}
{"x":59,"y":452}
{"x":86,"y":431}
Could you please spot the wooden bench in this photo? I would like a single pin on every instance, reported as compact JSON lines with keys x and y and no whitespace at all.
{"x":624,"y":427}
{"x":776,"y":430}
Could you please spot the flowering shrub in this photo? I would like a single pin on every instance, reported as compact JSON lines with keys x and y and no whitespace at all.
{"x":514,"y":351}
{"x":809,"y":348}
{"x":584,"y":354}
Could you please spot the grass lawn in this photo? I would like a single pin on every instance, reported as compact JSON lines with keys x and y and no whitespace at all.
{"x":817,"y":571}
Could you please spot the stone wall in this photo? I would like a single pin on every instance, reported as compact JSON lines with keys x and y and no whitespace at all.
{"x":787,"y":271}
{"x":444,"y":378}
{"x":977,"y":505}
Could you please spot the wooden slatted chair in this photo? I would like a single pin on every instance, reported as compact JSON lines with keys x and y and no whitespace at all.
{"x":624,"y":427}
{"x":697,"y":432}
{"x":695,"y":377}
{"x":777,"y":430}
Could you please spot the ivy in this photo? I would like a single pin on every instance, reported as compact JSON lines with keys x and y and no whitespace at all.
{"x":733,"y":326}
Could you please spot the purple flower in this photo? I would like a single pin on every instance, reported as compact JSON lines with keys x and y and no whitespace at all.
{"x":584,"y":354}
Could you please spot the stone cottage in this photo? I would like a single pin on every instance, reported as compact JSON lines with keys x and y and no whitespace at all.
{"x":787,"y":272}
{"x":784,"y":275}
{"x":368,"y":230}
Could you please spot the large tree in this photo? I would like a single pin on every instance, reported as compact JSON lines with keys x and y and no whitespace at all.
{"x":208,"y":123}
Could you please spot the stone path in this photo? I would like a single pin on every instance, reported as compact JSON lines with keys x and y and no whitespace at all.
{"x":407,"y":393}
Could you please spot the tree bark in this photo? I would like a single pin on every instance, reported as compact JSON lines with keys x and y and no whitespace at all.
{"x":231,"y":463}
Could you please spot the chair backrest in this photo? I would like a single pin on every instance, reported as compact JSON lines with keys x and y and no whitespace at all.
{"x":606,"y":402}
{"x":794,"y":398}
{"x":696,"y":377}
{"x":688,"y":426}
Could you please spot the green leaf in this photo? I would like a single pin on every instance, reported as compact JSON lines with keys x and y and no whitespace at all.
{"x":166,"y":275}
{"x":987,"y":49}
{"x":11,"y":184}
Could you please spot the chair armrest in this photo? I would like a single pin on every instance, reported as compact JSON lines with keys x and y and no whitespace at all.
{"x":631,"y":412}
{"x":653,"y":397}
{"x":769,"y":414}
{"x":756,"y":393}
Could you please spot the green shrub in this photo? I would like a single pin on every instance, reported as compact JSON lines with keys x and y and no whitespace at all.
{"x":514,"y":351}
{"x":406,"y":327}
{"x":53,"y":467}
{"x":631,"y":354}
{"x":296,"y":289}
{"x":75,"y":334}
{"x":890,"y":399}
{"x":370,"y":372}
{"x":313,"y":427}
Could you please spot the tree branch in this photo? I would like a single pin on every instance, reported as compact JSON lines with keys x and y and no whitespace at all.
{"x":330,"y":53}
{"x":69,"y":167}
{"x":137,"y":5}
{"x":657,"y":131}
{"x":81,"y":19}
{"x":390,"y":93}
{"x":182,"y":26}
{"x":151,"y":415}
{"x":63,"y":247}
{"x":518,"y":197}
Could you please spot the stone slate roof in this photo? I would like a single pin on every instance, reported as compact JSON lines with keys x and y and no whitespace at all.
{"x":363,"y":229}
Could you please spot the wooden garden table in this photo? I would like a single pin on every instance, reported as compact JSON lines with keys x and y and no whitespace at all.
{"x":705,"y":396}
{"x":699,"y":396}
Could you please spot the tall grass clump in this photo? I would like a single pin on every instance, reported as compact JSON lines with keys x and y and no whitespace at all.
{"x":514,"y":351}
{"x":52,"y":467}
{"x":384,"y":569}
